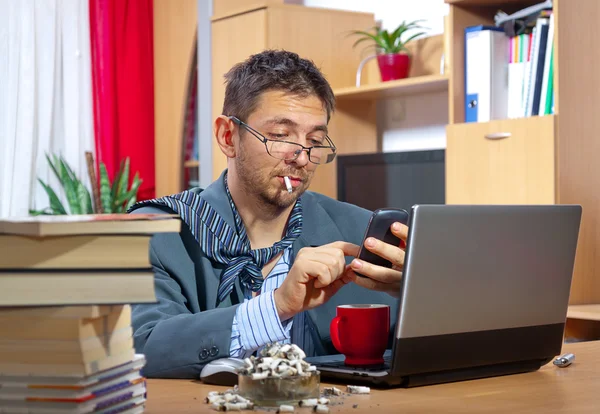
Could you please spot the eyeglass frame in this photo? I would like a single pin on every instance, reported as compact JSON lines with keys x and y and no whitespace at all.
{"x":297,"y":153}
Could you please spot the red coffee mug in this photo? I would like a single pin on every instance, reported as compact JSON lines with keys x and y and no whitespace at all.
{"x":360,"y":332}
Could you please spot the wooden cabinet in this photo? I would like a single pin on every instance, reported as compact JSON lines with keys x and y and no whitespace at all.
{"x":551,"y":159}
{"x":501,"y":162}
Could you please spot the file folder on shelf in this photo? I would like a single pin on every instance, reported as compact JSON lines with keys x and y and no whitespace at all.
{"x":486,"y":73}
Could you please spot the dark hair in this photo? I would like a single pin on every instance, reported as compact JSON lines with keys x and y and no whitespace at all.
{"x":273,"y":70}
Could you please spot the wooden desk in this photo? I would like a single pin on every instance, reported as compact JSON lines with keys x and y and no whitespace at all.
{"x":574,"y":389}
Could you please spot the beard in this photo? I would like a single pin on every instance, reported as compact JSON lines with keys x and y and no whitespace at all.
{"x":268,"y":190}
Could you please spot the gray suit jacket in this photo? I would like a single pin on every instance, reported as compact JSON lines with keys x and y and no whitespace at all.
{"x":185,"y":329}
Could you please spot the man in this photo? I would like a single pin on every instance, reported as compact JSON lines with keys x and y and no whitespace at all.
{"x":258,"y":262}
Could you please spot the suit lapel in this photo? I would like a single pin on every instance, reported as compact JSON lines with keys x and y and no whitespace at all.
{"x":216,"y":195}
{"x":317,"y":227}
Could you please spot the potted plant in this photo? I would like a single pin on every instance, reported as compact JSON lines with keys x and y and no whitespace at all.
{"x":393,"y":56}
{"x":109,"y":198}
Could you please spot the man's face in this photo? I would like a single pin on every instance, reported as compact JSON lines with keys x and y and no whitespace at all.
{"x":280,"y":116}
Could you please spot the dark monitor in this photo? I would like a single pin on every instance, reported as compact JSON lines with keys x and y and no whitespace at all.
{"x":392,"y":179}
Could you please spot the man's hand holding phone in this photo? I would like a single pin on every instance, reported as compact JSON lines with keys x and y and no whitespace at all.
{"x":381,"y":258}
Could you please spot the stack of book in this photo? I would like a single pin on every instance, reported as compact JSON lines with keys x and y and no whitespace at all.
{"x":66,"y":288}
{"x":530,"y":70}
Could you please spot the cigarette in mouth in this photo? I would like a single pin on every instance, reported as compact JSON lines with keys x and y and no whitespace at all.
{"x":288,"y":183}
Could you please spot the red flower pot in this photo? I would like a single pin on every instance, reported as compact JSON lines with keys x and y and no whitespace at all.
{"x":393,"y":66}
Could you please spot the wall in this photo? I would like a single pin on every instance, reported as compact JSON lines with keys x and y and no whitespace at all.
{"x":410,"y":123}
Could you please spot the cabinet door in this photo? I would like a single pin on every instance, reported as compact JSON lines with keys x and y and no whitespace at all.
{"x":501,"y":162}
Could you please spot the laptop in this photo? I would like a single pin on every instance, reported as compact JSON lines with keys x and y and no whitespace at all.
{"x":484,"y":293}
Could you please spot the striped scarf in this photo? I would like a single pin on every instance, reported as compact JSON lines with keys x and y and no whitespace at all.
{"x":226,"y":245}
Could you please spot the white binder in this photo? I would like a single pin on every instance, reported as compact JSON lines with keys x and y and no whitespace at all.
{"x":487,"y":51}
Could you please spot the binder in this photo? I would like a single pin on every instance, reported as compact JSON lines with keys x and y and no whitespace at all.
{"x":537,"y":68}
{"x":487,"y":51}
{"x":547,"y":72}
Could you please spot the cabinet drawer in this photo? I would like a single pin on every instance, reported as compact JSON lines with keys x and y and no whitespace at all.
{"x":501,"y":162}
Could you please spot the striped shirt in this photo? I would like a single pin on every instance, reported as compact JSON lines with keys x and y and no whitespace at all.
{"x":256,"y":322}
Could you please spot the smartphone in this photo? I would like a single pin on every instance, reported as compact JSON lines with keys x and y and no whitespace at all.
{"x":379,"y":227}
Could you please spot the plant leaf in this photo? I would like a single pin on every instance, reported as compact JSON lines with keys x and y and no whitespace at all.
{"x":123,"y":182}
{"x":386,"y":42}
{"x":376,"y":38}
{"x":82,"y":193}
{"x":69,"y":185}
{"x":70,"y":171}
{"x":398,"y":32}
{"x":53,"y":166}
{"x":131,"y":202}
{"x":366,"y":35}
{"x":137,"y":181}
{"x":415,"y":24}
{"x":413,"y":37}
{"x":55,"y":203}
{"x":105,"y":190}
{"x":362,"y":39}
{"x":60,"y":171}
{"x":115,"y":182}
{"x":123,"y":201}
{"x":45,"y":212}
{"x":356,"y":32}
{"x":85,"y":199}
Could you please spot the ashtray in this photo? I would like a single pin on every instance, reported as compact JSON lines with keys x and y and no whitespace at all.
{"x":273,"y":391}
{"x":279,"y":376}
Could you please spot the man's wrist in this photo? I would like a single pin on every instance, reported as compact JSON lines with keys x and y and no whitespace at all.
{"x":283,"y":313}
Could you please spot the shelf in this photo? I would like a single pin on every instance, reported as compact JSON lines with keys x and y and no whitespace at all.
{"x":533,"y":120}
{"x":584,"y":312}
{"x":191,"y":164}
{"x":392,"y":89}
{"x":492,"y":3}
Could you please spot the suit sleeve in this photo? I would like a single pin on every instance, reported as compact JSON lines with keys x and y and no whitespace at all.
{"x":176,"y":342}
{"x":177,"y":334}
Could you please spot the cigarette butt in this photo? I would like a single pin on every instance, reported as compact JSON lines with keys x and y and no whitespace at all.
{"x":320,"y":408}
{"x":356,"y":389}
{"x":288,"y":183}
{"x":311,"y":402}
{"x":332,"y":390}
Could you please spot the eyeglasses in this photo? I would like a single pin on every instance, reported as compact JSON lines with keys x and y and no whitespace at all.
{"x":289,"y":151}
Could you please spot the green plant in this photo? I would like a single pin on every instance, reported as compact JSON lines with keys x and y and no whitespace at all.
{"x":385,"y":42}
{"x":113,"y":198}
{"x":116,"y":197}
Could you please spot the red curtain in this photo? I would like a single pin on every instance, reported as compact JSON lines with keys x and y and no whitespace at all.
{"x":123,"y":86}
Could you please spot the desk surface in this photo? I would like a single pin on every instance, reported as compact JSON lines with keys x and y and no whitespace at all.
{"x":574,"y":389}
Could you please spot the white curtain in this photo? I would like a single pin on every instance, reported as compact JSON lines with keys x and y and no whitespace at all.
{"x":45,"y":97}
